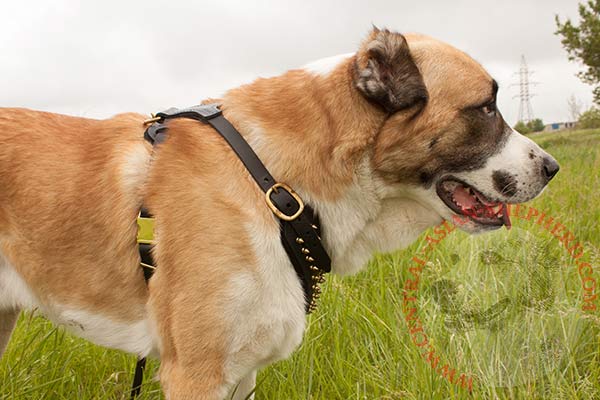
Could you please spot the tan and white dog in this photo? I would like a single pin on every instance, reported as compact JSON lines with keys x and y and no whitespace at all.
{"x":382,"y":143}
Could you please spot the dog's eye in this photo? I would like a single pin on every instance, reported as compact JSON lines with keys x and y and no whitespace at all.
{"x":489,"y":109}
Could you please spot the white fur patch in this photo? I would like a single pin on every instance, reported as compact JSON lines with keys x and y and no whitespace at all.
{"x":133,"y":337}
{"x":14,"y":292}
{"x":325,"y":65}
{"x":265,"y":307}
{"x":134,"y":167}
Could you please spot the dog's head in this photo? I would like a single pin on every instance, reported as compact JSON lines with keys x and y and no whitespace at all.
{"x":444,"y":141}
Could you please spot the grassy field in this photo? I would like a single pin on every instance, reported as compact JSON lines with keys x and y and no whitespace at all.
{"x":499,"y":316}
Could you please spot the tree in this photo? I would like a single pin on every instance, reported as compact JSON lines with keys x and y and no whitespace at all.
{"x":537,"y":125}
{"x":583,"y":42}
{"x":522,"y":127}
{"x":590,"y":119}
{"x":574,"y":108}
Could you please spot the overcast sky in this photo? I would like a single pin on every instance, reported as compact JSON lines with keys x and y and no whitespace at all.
{"x":98,"y":58}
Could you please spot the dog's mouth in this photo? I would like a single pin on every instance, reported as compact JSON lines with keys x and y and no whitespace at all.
{"x":465,"y":200}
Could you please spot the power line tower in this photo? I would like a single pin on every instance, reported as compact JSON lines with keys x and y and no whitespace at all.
{"x":525,"y":110}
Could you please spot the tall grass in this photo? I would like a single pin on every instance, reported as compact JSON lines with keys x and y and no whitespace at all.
{"x":503,"y":308}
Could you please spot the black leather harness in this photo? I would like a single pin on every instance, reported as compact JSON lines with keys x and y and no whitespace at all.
{"x":299,"y":225}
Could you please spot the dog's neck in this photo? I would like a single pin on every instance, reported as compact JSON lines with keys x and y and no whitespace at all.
{"x":323,"y":126}
{"x":365,"y":221}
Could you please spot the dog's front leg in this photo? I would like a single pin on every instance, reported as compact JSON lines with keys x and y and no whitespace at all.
{"x":8,"y":319}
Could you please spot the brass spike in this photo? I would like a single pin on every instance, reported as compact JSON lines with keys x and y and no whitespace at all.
{"x":315,"y":227}
{"x":305,"y":250}
{"x":316,"y":295}
{"x":314,"y":268}
{"x":320,"y":279}
{"x":309,"y":259}
{"x":299,"y":240}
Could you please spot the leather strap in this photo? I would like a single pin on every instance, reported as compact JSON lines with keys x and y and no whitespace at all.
{"x":138,"y":377}
{"x":300,"y":236}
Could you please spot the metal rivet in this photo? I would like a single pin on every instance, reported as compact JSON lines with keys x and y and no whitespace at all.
{"x":299,"y":240}
{"x":309,"y":259}
{"x":305,"y":250}
{"x":315,"y":227}
{"x":314,"y":268}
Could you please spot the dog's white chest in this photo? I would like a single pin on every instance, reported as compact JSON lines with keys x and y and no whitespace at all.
{"x":267,"y":307}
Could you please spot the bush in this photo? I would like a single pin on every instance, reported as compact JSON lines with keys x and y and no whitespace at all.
{"x":589,"y":119}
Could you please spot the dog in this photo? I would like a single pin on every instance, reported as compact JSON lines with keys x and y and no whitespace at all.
{"x":382,"y":143}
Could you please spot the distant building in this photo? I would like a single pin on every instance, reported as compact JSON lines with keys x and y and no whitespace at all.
{"x":559,"y":126}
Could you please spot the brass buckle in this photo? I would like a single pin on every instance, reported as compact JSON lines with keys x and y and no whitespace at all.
{"x":275,"y":210}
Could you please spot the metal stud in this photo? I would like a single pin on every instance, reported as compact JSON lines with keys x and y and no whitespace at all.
{"x":314,"y":268}
{"x":305,"y":250}
{"x":299,"y":240}
{"x":309,"y":259}
{"x":315,"y":227}
{"x":320,"y":279}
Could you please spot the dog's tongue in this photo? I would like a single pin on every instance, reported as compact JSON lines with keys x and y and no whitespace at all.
{"x":463,"y":197}
{"x":505,"y":217}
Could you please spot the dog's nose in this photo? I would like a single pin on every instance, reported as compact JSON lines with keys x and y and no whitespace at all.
{"x":549,"y":168}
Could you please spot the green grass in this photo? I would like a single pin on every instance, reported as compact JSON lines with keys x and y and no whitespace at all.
{"x":503,"y":308}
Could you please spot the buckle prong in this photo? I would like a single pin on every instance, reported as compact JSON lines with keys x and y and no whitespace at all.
{"x":152,"y":120}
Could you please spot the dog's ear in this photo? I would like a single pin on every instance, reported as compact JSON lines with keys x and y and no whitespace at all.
{"x":386,"y":73}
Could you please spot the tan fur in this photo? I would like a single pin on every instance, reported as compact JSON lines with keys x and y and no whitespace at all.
{"x":68,"y":214}
{"x":63,"y":212}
